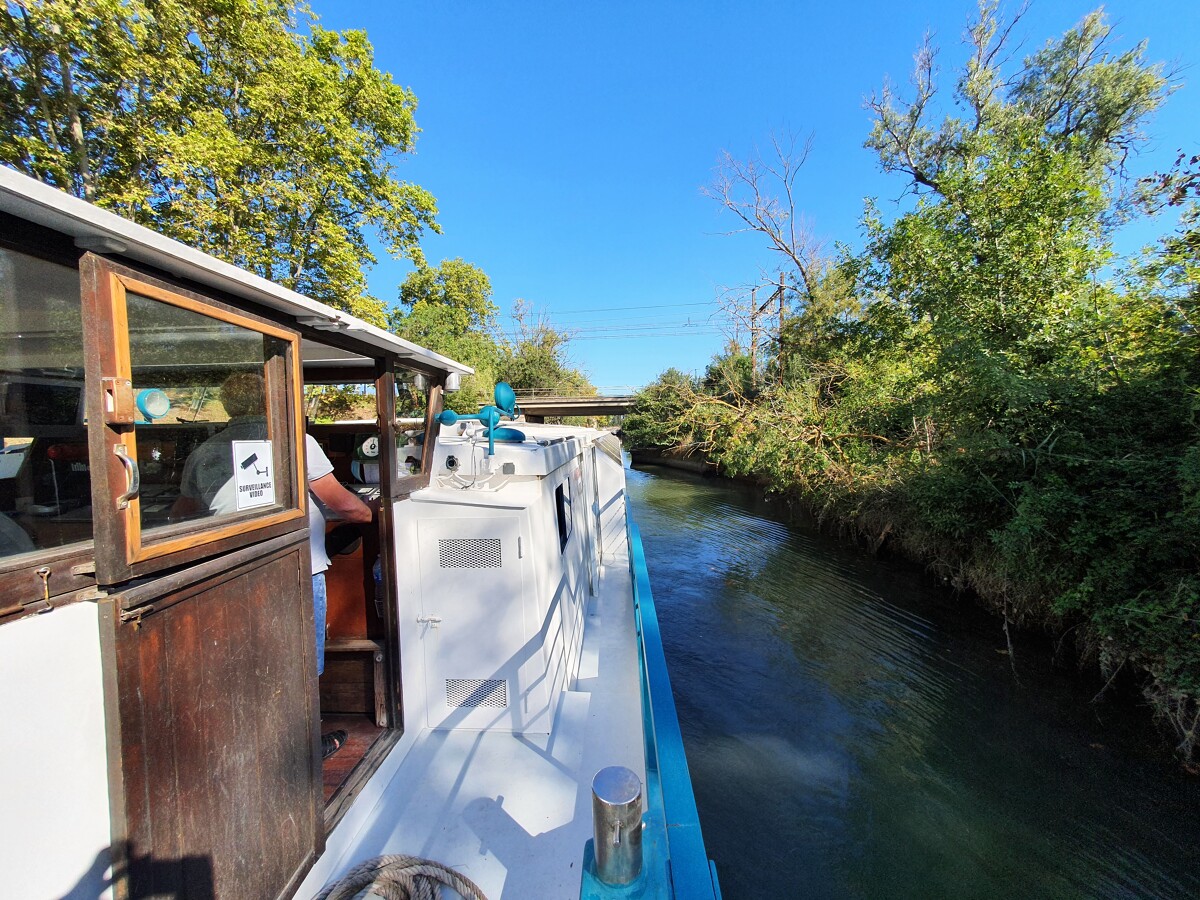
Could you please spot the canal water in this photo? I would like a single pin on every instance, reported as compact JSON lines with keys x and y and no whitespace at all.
{"x":853,"y":731}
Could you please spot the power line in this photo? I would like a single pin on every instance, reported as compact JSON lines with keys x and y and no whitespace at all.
{"x":595,"y":309}
{"x":630,"y":329}
{"x":650,"y":329}
{"x":631,"y":337}
{"x":663,"y":318}
{"x":572,"y":334}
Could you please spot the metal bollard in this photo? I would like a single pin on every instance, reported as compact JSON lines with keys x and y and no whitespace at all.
{"x":617,"y":825}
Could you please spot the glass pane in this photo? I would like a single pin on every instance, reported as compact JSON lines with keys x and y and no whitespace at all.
{"x":343,"y":419}
{"x":45,"y":484}
{"x":412,"y":401}
{"x":204,"y":443}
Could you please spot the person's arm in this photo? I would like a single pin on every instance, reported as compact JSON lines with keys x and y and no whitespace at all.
{"x":184,"y":507}
{"x":342,"y":503}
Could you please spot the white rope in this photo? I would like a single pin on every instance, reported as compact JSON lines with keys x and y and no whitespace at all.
{"x":401,"y":878}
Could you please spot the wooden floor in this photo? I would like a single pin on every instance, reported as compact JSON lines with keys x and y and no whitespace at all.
{"x":362,"y":732}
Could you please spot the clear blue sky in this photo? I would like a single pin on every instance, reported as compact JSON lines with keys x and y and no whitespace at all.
{"x":567,"y":143}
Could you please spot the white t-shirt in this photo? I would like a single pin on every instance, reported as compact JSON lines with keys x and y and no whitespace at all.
{"x":318,"y":467}
{"x":208,"y":478}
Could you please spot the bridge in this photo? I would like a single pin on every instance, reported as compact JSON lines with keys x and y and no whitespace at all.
{"x":538,"y":407}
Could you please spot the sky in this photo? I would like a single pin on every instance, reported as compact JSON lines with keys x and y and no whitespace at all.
{"x":568,"y":144}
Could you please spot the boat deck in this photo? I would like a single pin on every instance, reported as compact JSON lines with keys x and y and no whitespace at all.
{"x":511,"y":812}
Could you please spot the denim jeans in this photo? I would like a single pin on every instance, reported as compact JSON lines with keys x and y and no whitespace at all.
{"x":320,"y":601}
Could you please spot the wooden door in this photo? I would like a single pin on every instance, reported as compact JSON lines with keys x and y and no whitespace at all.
{"x":217,"y":774}
{"x":201,"y":540}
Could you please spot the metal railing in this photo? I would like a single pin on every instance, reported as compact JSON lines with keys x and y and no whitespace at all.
{"x":676,"y":864}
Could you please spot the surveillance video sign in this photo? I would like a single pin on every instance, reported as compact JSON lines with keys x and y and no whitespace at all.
{"x":253,"y":477}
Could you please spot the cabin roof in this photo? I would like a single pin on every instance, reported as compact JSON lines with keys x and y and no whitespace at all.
{"x":105,"y":232}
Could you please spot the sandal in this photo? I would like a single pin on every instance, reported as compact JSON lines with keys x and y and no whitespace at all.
{"x":331,"y":743}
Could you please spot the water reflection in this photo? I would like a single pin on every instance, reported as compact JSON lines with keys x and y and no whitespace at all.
{"x":853,"y":734}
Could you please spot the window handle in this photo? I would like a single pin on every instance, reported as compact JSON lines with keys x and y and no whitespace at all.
{"x":131,"y":470}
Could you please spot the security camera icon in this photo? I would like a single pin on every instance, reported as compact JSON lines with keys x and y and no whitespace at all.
{"x":251,"y":460}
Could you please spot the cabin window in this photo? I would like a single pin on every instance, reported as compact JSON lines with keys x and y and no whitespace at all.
{"x":45,"y":482}
{"x":562,"y":508}
{"x":204,"y":439}
{"x":198,"y":402}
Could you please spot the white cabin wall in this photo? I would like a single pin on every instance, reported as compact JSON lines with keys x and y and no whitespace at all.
{"x":611,"y":479}
{"x":581,"y":586}
{"x":53,"y":762}
{"x":408,"y":601}
{"x":556,"y":585}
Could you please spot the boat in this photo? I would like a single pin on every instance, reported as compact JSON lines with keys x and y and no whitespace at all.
{"x":494,"y":691}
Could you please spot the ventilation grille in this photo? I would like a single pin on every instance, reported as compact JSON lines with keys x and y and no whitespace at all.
{"x":469,"y":553}
{"x":476,"y":692}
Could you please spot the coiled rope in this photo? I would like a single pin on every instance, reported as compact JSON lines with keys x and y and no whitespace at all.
{"x":401,"y":878}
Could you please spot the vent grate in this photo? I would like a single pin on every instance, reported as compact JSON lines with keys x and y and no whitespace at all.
{"x":469,"y":553}
{"x":476,"y":692}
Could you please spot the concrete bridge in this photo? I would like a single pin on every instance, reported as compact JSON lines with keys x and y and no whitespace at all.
{"x":537,"y":409}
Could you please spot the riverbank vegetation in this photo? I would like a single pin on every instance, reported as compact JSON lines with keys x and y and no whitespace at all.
{"x":985,"y":386}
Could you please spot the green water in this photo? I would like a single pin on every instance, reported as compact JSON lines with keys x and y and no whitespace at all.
{"x":852,"y":731}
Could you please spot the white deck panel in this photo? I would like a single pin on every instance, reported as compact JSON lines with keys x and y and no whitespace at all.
{"x":512,"y":812}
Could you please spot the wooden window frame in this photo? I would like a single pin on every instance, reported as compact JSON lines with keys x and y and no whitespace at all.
{"x":121,"y":551}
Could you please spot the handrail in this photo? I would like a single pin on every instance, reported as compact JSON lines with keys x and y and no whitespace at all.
{"x":692,"y":874}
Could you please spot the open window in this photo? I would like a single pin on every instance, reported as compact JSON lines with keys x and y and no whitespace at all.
{"x":200,"y":439}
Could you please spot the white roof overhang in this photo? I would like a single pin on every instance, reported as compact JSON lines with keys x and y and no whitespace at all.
{"x":93,"y":228}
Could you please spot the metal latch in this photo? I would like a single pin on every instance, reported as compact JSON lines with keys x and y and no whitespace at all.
{"x":136,"y":615}
{"x":429,"y":620}
{"x":40,"y":604}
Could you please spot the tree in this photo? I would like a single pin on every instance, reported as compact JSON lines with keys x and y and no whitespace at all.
{"x":448,"y":308}
{"x":1076,"y":93}
{"x":660,"y":415}
{"x":459,"y":287}
{"x":972,"y":387}
{"x":807,"y":294}
{"x":1060,"y":454}
{"x":748,"y":189}
{"x":537,"y":359}
{"x":222,"y":125}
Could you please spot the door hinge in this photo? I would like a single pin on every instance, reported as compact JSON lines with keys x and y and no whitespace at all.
{"x":135,"y":615}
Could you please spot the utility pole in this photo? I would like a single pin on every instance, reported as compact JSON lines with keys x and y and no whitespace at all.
{"x":756,"y":311}
{"x":753,"y":337}
{"x":781,"y":292}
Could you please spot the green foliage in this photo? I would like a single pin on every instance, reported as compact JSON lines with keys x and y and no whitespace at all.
{"x":223,"y":125}
{"x":972,"y":389}
{"x":659,"y":412}
{"x":448,"y":308}
{"x":536,"y":361}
